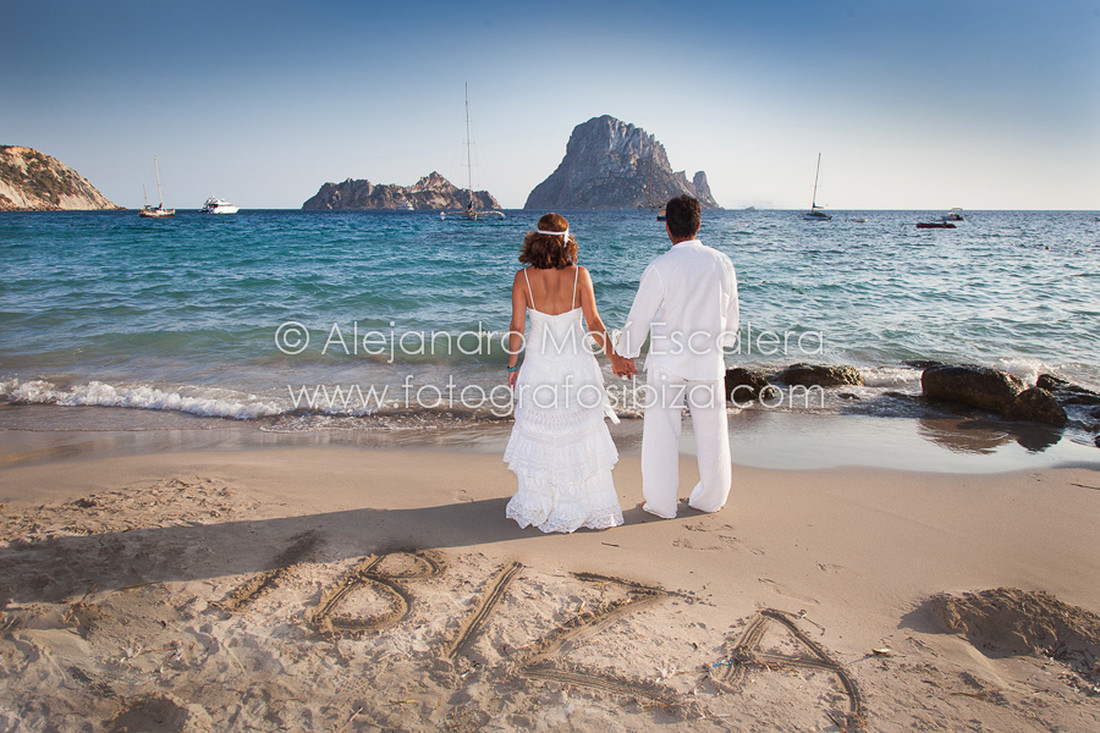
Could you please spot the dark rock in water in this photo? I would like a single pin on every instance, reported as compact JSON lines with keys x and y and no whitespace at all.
{"x":922,"y":363}
{"x":1067,"y":393}
{"x":432,"y":193}
{"x":1036,"y":405}
{"x":745,"y":385}
{"x":989,"y":389}
{"x":1097,"y":441}
{"x":610,"y":164}
{"x":809,"y":375}
{"x":1050,"y":383}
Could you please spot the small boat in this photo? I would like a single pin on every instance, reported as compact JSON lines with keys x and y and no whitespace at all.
{"x":816,"y":213}
{"x":158,"y":211}
{"x":661,"y":214}
{"x":956,"y":214}
{"x":406,"y":206}
{"x":471,"y":212}
{"x":215,"y":205}
{"x":942,"y":224}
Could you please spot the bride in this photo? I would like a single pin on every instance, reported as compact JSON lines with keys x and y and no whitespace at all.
{"x":560,"y":448}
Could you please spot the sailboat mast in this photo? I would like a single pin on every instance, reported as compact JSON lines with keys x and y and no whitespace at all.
{"x":156,"y":168}
{"x":813,"y":201}
{"x":469,"y":163}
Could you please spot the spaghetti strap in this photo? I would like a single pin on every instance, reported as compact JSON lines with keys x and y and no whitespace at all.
{"x":530,"y":295}
{"x":576,"y":272}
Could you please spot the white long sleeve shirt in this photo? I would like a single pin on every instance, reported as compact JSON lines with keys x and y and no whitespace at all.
{"x":687,"y":304}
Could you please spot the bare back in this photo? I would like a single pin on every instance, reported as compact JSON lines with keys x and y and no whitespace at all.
{"x":552,"y":291}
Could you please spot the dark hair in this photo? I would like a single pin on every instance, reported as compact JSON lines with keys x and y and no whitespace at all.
{"x":548,"y":251}
{"x":683,"y":216}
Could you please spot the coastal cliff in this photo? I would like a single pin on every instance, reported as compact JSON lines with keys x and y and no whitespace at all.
{"x":34,"y":181}
{"x":610,"y":164}
{"x":432,"y":192}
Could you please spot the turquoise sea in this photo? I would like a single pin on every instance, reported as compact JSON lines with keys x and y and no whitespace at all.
{"x":267,"y":316}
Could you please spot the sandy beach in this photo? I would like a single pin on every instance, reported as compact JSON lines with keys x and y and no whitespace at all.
{"x":344,"y":588}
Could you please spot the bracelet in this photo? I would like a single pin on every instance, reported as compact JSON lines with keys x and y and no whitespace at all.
{"x":512,"y":369}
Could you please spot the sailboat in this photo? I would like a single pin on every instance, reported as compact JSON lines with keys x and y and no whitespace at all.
{"x":649,"y":204}
{"x":816,"y":213}
{"x":471,"y":212}
{"x":157,"y":212}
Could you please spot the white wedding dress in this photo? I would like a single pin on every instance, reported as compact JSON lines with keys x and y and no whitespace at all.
{"x":560,"y":448}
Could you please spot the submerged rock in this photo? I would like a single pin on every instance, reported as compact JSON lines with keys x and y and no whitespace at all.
{"x":810,"y":375}
{"x":988,"y":389}
{"x":1067,"y":393}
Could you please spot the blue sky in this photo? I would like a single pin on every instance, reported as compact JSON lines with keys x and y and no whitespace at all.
{"x":912,"y":104}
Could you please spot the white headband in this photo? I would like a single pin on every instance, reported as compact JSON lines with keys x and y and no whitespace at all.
{"x":564,"y":235}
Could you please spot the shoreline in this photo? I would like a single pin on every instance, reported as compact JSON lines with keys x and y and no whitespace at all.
{"x":189,"y":584}
{"x":770,"y":439}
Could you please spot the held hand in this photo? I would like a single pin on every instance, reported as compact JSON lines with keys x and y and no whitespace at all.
{"x":623,"y":367}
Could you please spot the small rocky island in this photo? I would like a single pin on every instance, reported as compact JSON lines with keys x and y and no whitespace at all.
{"x":610,"y":164}
{"x":34,"y":181}
{"x":432,"y":193}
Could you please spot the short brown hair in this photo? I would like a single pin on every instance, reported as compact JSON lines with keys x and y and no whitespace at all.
{"x":547,"y":251}
{"x":683,"y":216}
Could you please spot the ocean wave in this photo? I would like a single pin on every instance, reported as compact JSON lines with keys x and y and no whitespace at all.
{"x":137,"y":396}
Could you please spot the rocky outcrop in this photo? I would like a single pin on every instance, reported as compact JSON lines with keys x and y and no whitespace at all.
{"x":809,"y":375}
{"x":996,"y":391}
{"x":746,"y":385}
{"x":34,"y":181}
{"x":982,"y":387}
{"x":609,"y":164}
{"x":432,"y":193}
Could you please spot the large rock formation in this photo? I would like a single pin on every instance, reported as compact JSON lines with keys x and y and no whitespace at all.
{"x":432,"y":192}
{"x":33,"y":181}
{"x":610,"y":164}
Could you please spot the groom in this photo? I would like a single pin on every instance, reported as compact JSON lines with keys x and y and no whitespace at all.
{"x":687,"y":305}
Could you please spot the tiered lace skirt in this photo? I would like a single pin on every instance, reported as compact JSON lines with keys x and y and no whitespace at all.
{"x":562,"y":459}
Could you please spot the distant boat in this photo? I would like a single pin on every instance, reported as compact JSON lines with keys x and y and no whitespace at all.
{"x":942,"y":224}
{"x":406,"y":206}
{"x":650,"y":204}
{"x":471,"y":212}
{"x":158,"y":211}
{"x":816,"y":213}
{"x":215,"y":205}
{"x":956,"y":214}
{"x":860,"y":220}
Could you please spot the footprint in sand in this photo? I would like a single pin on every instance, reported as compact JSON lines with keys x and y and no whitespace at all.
{"x":785,"y":591}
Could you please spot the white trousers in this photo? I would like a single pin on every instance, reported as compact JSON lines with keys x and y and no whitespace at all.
{"x":665,"y":399}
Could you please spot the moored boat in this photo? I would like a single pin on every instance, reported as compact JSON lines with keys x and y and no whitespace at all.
{"x":158,"y":211}
{"x":471,"y":212}
{"x":215,"y":205}
{"x":816,"y":213}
